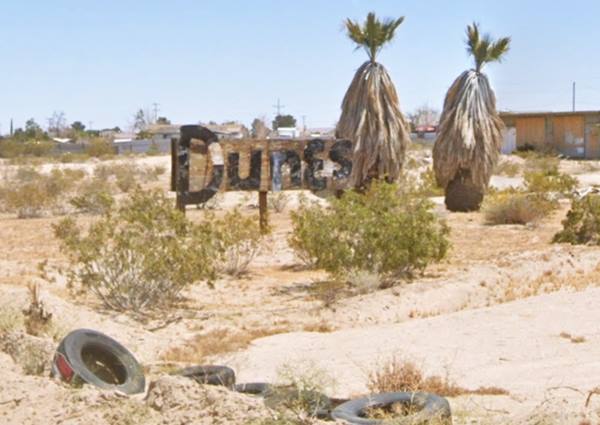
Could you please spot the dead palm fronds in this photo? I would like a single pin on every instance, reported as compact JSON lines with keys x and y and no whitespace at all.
{"x":371,"y":115}
{"x":470,"y":133}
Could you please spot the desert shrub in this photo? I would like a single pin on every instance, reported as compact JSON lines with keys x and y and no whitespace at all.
{"x":159,"y":170}
{"x":74,"y":174}
{"x":278,"y":201}
{"x":507,"y":168}
{"x":549,"y":180}
{"x":299,"y":395}
{"x":31,"y":194}
{"x":398,"y":375}
{"x":537,"y":161}
{"x":126,"y":181}
{"x":125,"y":175}
{"x":364,"y":281}
{"x":514,"y":207}
{"x":70,"y":157}
{"x":15,"y":149}
{"x":240,"y":241}
{"x":93,"y":197}
{"x":28,"y":200}
{"x":582,"y":224}
{"x":139,"y":257}
{"x":383,"y":231}
{"x":428,"y":185}
{"x":11,"y":320}
{"x":99,"y":148}
{"x":26,"y":175}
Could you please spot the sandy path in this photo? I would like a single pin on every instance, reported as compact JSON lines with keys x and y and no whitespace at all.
{"x":515,"y":346}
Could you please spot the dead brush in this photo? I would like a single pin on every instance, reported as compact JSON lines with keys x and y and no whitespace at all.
{"x":516,"y":208}
{"x":401,"y":375}
{"x":218,"y":341}
{"x":38,"y":320}
{"x":278,"y":201}
{"x":548,"y":283}
{"x":241,"y":241}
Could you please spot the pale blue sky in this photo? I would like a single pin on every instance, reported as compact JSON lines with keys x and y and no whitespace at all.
{"x":101,"y":60}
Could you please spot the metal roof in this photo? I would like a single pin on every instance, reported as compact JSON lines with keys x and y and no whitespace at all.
{"x":546,"y":113}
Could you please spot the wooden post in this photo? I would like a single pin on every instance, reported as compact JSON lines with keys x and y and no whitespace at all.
{"x":263,"y":211}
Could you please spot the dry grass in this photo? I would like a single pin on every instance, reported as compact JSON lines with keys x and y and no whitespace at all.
{"x":550,"y":282}
{"x":516,"y":208}
{"x":320,"y":327}
{"x":218,"y":341}
{"x":402,"y":375}
{"x":508,"y":168}
{"x":573,"y":338}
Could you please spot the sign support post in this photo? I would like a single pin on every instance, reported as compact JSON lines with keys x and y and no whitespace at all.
{"x":263,"y":212}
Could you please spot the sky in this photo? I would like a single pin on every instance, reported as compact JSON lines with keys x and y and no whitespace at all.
{"x":99,"y":61}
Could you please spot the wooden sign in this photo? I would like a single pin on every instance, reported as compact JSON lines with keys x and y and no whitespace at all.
{"x":203,"y":165}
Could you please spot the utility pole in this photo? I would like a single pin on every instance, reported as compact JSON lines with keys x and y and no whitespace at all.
{"x":11,"y":127}
{"x":155,"y":107}
{"x":279,"y":107}
{"x":303,"y":124}
{"x":573,"y":96}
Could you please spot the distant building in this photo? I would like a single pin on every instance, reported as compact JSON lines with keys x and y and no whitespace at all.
{"x":321,"y":133}
{"x":286,"y":133}
{"x":163,"y":132}
{"x":232,"y":130}
{"x":62,"y":140}
{"x":573,"y":134}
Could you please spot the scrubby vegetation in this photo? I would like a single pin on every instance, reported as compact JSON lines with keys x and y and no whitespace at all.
{"x":140,"y":256}
{"x":550,"y":180}
{"x":544,"y":185}
{"x":278,"y":201}
{"x":385,"y":230}
{"x":240,"y":240}
{"x":93,"y":197}
{"x":31,"y":194}
{"x":514,"y":207}
{"x":401,"y":375}
{"x":582,"y":224}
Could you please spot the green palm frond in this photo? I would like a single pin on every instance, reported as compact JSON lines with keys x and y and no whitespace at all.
{"x":373,"y":34}
{"x":483,"y":48}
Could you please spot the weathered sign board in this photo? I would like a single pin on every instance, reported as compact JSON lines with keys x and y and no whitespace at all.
{"x":203,"y":165}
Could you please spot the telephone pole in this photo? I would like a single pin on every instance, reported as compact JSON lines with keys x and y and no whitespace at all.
{"x":155,"y":108}
{"x":573,"y":96}
{"x":279,"y":107}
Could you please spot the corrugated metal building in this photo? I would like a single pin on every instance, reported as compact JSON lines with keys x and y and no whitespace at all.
{"x":574,"y":134}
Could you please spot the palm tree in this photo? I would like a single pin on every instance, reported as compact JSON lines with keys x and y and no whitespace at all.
{"x":470,"y":134}
{"x":371,"y":116}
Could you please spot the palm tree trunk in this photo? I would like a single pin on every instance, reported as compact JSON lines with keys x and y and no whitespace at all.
{"x":462,"y":195}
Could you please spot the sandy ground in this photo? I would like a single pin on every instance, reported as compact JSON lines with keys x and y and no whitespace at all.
{"x":482,"y":316}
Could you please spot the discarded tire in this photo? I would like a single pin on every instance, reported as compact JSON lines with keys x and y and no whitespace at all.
{"x":88,"y":356}
{"x":317,"y":404}
{"x":210,"y":375}
{"x":255,"y":388}
{"x":432,"y":409}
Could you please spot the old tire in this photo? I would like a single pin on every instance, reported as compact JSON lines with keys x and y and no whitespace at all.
{"x":433,"y":409}
{"x":210,"y":375}
{"x":254,"y":388}
{"x":89,"y":356}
